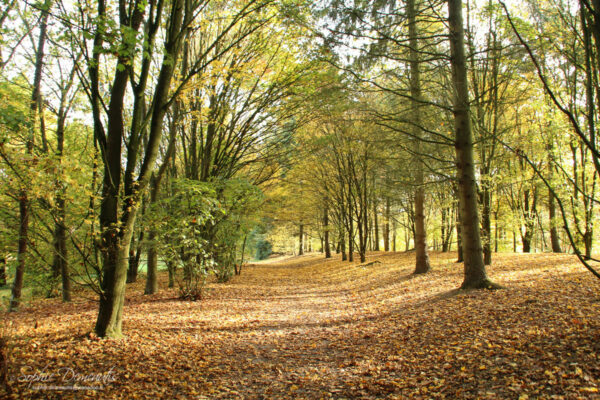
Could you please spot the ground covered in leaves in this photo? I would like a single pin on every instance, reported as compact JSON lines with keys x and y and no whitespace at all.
{"x":309,"y":328}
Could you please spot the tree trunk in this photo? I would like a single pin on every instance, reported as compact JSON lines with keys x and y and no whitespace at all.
{"x":110,"y":312}
{"x":376,"y":227}
{"x":474,"y":269}
{"x":171,"y":267}
{"x":422,"y":264}
{"x":152,"y":267}
{"x":496,"y":232}
{"x":486,"y":224}
{"x":23,"y":196}
{"x":21,"y":252}
{"x":529,"y":214}
{"x":60,"y":263}
{"x":386,"y":227}
{"x":394,"y":236}
{"x":326,"y":233}
{"x":350,"y":234}
{"x":301,"y":238}
{"x":116,"y":238}
{"x":134,"y":259}
{"x":553,"y":230}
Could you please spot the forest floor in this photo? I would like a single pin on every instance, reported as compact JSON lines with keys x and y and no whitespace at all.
{"x":307,"y":328}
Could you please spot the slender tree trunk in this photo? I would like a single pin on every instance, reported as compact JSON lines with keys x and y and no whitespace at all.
{"x":134,"y":258}
{"x":553,"y":230}
{"x":376,"y":227}
{"x":486,"y":225}
{"x":60,"y":249}
{"x":394,"y":228}
{"x":496,"y":232}
{"x":152,"y":266}
{"x":530,"y":213}
{"x":60,"y":262}
{"x":301,"y":239}
{"x":21,"y":252}
{"x":474,"y":269}
{"x":24,"y":196}
{"x":326,"y":234}
{"x":386,"y":227}
{"x":443,"y":230}
{"x":350,"y":234}
{"x":171,"y":266}
{"x":422,"y":264}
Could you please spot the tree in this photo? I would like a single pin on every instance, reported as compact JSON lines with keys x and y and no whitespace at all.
{"x":475,"y":276}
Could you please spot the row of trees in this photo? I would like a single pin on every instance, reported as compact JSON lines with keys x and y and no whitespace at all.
{"x":150,"y":129}
{"x":176,"y":131}
{"x":387,"y":154}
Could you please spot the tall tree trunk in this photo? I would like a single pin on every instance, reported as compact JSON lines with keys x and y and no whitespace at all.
{"x":301,"y":239}
{"x":152,"y":253}
{"x":171,"y":266}
{"x":24,"y":195}
{"x":376,"y":226}
{"x":422,"y":264}
{"x":553,"y":230}
{"x":486,"y":224}
{"x":529,"y":214}
{"x":394,"y":235}
{"x":135,"y":253}
{"x":474,"y":269}
{"x":60,"y":262}
{"x":116,"y":238}
{"x":496,"y":232}
{"x":350,"y":233}
{"x":326,"y":233}
{"x":386,"y":227}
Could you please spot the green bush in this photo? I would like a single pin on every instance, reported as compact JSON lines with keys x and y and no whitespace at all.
{"x":263,"y":250}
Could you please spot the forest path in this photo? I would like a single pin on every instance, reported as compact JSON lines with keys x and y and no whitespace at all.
{"x":307,"y":327}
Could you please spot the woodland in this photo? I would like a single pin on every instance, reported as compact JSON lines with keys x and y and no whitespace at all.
{"x":299,"y":199}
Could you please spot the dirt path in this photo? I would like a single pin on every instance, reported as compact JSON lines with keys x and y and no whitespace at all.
{"x":310,"y":328}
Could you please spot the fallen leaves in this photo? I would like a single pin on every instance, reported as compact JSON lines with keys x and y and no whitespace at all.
{"x":313,"y":328}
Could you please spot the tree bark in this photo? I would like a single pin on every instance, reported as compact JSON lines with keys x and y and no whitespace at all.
{"x":376,"y":227}
{"x":326,"y":233}
{"x":422,"y":264}
{"x":134,"y":258}
{"x":394,"y":236}
{"x":118,"y":231}
{"x":474,"y":269}
{"x":171,"y":266}
{"x":24,"y":196}
{"x":530,"y":212}
{"x":350,"y":233}
{"x":386,"y":227}
{"x":301,"y":239}
{"x":486,"y":224}
{"x":554,"y":239}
